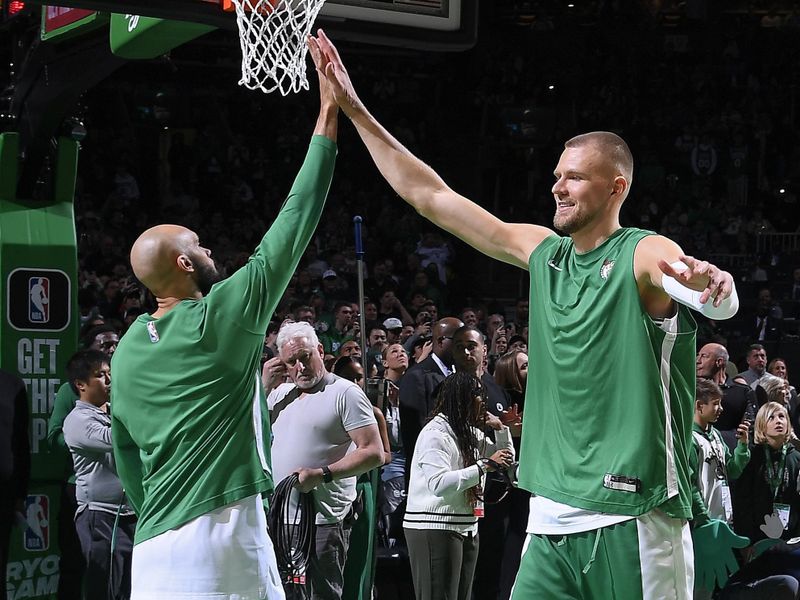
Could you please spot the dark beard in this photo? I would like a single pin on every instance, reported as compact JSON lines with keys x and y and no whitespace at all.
{"x":207,"y":276}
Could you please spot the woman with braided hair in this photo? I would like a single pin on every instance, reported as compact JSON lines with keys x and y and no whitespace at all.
{"x":451,"y":456}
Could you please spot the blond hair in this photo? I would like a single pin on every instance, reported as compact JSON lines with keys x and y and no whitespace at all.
{"x":765,"y":413}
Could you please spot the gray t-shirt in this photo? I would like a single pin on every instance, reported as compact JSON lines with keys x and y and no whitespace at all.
{"x":87,"y":433}
{"x":311,"y":431}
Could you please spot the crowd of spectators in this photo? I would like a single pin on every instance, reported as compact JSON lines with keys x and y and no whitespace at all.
{"x":710,"y":114}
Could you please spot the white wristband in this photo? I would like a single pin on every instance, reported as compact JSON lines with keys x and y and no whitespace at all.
{"x":691,"y":298}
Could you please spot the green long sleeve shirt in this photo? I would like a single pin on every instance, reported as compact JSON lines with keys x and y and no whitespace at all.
{"x":186,"y":393}
{"x":62,"y":406}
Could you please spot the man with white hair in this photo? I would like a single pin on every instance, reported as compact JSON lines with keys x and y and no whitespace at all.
{"x":324,"y":430}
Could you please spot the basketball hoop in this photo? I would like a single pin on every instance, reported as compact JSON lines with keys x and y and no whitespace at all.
{"x":273,"y":35}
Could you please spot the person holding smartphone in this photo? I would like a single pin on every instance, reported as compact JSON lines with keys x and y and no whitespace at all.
{"x":766,"y":501}
{"x":738,"y":400}
{"x":713,"y":466}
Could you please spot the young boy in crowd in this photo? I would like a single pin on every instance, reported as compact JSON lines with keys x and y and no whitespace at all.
{"x":103,"y":513}
{"x":712,"y":464}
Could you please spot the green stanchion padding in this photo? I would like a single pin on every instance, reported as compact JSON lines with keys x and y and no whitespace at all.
{"x":133,"y":36}
{"x":359,"y":569}
{"x":38,"y":268}
{"x":38,"y":334}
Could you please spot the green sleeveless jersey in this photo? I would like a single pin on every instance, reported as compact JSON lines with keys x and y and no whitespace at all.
{"x":608,"y":409}
{"x":186,"y":390}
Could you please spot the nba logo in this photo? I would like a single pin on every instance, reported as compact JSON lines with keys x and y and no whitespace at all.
{"x":37,"y":515}
{"x":39,"y":299}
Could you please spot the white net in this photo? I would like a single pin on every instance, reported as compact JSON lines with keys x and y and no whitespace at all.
{"x":273,"y":35}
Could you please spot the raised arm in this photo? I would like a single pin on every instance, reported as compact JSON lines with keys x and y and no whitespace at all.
{"x":417,"y":183}
{"x":250,"y":295}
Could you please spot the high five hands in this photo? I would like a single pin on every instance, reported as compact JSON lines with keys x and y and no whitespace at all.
{"x":330,"y":67}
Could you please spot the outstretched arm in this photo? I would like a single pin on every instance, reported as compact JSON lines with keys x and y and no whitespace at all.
{"x":417,"y":183}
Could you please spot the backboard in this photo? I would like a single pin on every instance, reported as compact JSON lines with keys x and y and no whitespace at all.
{"x":420,"y":24}
{"x":441,"y":15}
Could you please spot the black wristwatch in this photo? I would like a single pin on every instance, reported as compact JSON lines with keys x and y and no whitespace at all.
{"x":327,"y":476}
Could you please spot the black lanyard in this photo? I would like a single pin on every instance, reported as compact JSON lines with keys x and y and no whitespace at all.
{"x":720,"y":471}
{"x":775,"y":472}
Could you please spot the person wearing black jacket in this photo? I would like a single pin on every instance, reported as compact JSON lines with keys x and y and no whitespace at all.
{"x":511,"y":374}
{"x":469,"y":355}
{"x":15,"y":460}
{"x":738,"y":400}
{"x":417,"y":386}
{"x":766,"y":502}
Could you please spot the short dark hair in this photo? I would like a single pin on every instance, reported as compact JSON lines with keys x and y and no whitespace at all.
{"x":343,"y":363}
{"x":87,"y":339}
{"x":464,"y":329}
{"x":86,"y":298}
{"x":301,"y":306}
{"x":340,"y":305}
{"x":390,"y":285}
{"x":419,"y":342}
{"x":754,"y":348}
{"x":81,"y":364}
{"x":516,"y":338}
{"x":706,"y":391}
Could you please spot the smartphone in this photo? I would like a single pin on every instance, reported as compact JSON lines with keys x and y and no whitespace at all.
{"x":373,"y":389}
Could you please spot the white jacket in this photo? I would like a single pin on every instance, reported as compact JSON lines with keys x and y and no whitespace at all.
{"x":437,"y":497}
